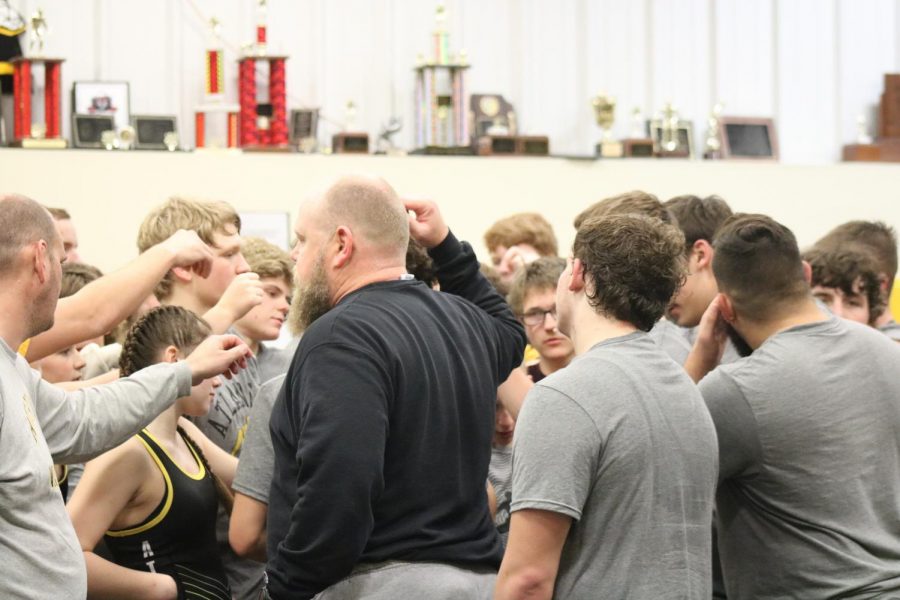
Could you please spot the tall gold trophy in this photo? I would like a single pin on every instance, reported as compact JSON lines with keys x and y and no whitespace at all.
{"x":605,"y":113}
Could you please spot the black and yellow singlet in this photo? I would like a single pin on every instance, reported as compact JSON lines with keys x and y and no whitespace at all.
{"x":179,"y":536}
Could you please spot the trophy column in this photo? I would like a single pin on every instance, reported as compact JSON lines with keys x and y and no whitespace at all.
{"x":263,"y":124}
{"x":26,"y":132}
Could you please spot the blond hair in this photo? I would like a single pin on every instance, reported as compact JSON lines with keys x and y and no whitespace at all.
{"x":203,"y":216}
{"x":268,"y":260}
{"x":523,"y":228}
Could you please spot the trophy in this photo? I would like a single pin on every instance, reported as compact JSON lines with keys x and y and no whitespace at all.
{"x":604,"y":112}
{"x":671,"y":135}
{"x":350,"y":141}
{"x":37,"y":102}
{"x":713,"y":145}
{"x":442,"y":124}
{"x":209,"y":115}
{"x":862,"y":130}
{"x":637,"y":144}
{"x":388,"y":130}
{"x":263,"y":123}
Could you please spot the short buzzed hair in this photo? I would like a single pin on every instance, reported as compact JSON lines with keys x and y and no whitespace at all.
{"x":22,"y":221}
{"x":633,"y":265}
{"x":699,"y":218}
{"x":372,"y":208}
{"x":268,"y":260}
{"x":58,"y":214}
{"x":205,"y":217}
{"x":523,"y":228}
{"x":630,"y":203}
{"x":539,"y":275}
{"x":878,"y":237}
{"x":757,"y":263}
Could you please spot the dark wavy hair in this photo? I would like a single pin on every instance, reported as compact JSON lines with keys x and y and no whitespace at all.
{"x":633,"y":265}
{"x":841,"y":268}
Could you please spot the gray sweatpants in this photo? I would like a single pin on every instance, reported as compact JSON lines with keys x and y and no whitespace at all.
{"x":411,"y":580}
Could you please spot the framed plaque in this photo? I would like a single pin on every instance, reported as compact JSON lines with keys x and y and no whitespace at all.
{"x":109,"y":98}
{"x":748,"y":137}
{"x":88,"y":129}
{"x":491,"y":114}
{"x":151,"y":130}
{"x":350,"y":143}
{"x":304,"y":124}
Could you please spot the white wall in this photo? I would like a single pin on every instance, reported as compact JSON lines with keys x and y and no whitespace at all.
{"x":813,"y":65}
{"x":108,"y":193}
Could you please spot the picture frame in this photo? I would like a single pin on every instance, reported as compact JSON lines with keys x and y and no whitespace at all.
{"x":150,"y":130}
{"x":88,"y":129}
{"x":748,"y":138}
{"x":685,"y":138}
{"x":107,"y":98}
{"x":304,"y":124}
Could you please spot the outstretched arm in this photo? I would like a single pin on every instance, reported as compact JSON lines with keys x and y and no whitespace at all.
{"x":102,"y":304}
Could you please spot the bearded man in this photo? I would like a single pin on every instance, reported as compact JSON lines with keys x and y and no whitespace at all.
{"x":382,"y":431}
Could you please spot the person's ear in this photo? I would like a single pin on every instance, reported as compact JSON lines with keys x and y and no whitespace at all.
{"x":576,"y":280}
{"x":726,"y":308}
{"x":171,"y":354}
{"x":40,"y":261}
{"x":344,"y":246}
{"x":807,"y":272}
{"x":182,"y":274}
{"x":702,"y":254}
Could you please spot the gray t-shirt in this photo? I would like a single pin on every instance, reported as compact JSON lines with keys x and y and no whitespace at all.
{"x":254,"y":472}
{"x":891,"y":329}
{"x":40,"y":424}
{"x":273,"y":361}
{"x":672,"y":339}
{"x":809,"y":442}
{"x":621,"y":442}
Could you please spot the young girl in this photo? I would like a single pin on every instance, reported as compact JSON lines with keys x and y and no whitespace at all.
{"x":154,"y":498}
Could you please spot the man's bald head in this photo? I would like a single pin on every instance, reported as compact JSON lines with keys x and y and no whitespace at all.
{"x":22,"y":221}
{"x":371,"y":209}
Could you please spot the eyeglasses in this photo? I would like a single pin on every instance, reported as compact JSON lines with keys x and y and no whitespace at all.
{"x":536,"y":317}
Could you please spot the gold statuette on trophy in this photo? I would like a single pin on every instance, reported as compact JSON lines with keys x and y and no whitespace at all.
{"x":604,"y":112}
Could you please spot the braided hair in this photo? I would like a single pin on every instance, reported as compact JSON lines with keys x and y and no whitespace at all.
{"x":152,"y":333}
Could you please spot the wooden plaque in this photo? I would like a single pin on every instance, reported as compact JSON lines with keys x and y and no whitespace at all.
{"x":748,"y":137}
{"x":350,"y":143}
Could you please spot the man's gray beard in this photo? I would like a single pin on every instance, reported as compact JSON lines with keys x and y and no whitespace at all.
{"x":311,"y":300}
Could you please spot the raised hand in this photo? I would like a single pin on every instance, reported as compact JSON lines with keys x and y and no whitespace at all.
{"x":241,"y":295}
{"x":426,"y":225}
{"x":218,"y":355}
{"x":189,"y":252}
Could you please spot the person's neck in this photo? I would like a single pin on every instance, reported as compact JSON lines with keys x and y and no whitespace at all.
{"x":251,"y":343}
{"x":165,"y":426}
{"x":185,"y":299}
{"x":755,"y":333}
{"x":15,"y":322}
{"x":363,"y":277}
{"x":548,"y":366}
{"x":885,"y":318}
{"x":589,"y":328}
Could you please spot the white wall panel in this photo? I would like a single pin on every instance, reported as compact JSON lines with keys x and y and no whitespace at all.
{"x":744,"y":69}
{"x":812,"y":64}
{"x":867,"y":51}
{"x":806,"y":80}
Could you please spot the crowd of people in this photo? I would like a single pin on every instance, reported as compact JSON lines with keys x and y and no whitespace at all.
{"x":684,"y":404}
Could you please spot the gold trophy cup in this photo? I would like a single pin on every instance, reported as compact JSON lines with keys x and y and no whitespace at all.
{"x":604,"y":112}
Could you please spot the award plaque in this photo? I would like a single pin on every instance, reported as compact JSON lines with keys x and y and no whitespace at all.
{"x":673,"y":137}
{"x":748,"y":138}
{"x":304,"y":128}
{"x":604,"y":112}
{"x":88,"y":131}
{"x":350,"y":143}
{"x":886,"y":148}
{"x":151,"y":130}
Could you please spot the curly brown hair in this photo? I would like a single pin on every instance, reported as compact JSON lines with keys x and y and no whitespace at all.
{"x":420,"y":264}
{"x":633,"y":265}
{"x":841,"y":268}
{"x":634,"y":202}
